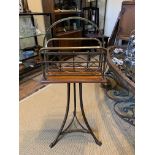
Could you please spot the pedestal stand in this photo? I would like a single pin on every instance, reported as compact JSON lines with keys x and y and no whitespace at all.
{"x":63,"y":131}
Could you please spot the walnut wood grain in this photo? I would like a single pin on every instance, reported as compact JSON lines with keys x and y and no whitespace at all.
{"x":72,"y":76}
{"x":74,"y":79}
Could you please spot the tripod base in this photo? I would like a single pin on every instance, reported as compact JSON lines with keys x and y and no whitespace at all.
{"x":63,"y":131}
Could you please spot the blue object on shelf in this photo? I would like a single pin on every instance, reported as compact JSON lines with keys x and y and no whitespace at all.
{"x":28,"y":54}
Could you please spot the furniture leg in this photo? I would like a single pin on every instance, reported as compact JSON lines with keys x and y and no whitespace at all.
{"x":65,"y":118}
{"x":63,"y":131}
{"x":84,"y":117}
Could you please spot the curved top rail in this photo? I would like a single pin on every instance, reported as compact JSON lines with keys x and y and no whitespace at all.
{"x":70,"y":18}
{"x":88,"y":39}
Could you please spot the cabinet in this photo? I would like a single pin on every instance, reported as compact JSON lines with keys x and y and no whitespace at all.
{"x":62,"y":9}
{"x":32,"y":27}
{"x":91,"y":12}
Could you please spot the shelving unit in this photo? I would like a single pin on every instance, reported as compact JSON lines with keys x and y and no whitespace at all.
{"x":62,"y":9}
{"x":31,"y":35}
{"x":90,"y":11}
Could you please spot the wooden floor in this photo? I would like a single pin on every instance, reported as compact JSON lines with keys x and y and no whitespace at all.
{"x":29,"y":85}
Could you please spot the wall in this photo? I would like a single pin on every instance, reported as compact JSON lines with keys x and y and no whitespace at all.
{"x":113,"y":9}
{"x":36,"y":6}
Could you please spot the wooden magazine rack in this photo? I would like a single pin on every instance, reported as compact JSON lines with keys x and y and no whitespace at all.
{"x":84,"y":64}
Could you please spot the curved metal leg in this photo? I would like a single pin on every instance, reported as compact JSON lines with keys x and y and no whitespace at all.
{"x":63,"y":131}
{"x":84,"y":117}
{"x":74,"y":113}
{"x":65,"y":118}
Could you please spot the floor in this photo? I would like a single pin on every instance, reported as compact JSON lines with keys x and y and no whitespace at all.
{"x":118,"y":136}
{"x":29,"y":85}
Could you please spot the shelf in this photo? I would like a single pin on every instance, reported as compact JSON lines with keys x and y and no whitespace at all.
{"x":36,"y":35}
{"x":26,"y":57}
{"x":67,"y":11}
{"x":25,"y":70}
{"x":34,"y":13}
{"x":33,"y":26}
{"x":67,"y":32}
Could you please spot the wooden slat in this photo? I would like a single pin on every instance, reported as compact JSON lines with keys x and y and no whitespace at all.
{"x":74,"y":79}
